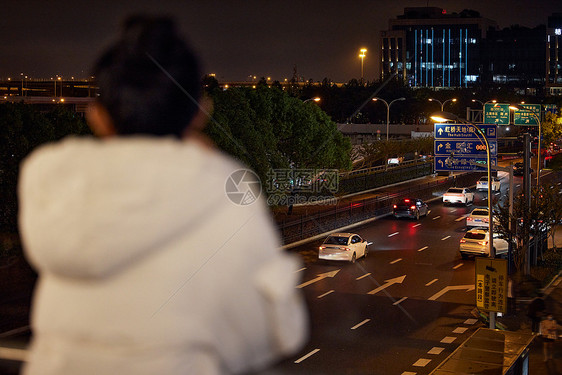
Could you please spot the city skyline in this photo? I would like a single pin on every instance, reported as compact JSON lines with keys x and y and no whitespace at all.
{"x":236,"y":40}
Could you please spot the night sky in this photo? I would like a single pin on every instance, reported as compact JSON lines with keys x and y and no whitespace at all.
{"x":235,"y":39}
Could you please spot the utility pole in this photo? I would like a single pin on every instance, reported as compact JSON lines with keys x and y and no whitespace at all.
{"x":527,"y":200}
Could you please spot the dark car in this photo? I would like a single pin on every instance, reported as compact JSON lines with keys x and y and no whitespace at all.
{"x":519,"y":169}
{"x":410,"y":207}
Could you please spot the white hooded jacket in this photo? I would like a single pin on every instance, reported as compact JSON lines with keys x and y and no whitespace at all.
{"x":147,"y":267}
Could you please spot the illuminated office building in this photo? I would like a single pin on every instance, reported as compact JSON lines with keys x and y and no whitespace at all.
{"x":554,"y":54}
{"x":427,"y":47}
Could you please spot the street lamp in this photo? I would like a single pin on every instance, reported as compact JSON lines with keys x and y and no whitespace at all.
{"x":442,"y":103}
{"x":519,"y":107}
{"x":444,"y":117}
{"x":362,"y":57}
{"x":388,"y":111}
{"x":316,"y":99}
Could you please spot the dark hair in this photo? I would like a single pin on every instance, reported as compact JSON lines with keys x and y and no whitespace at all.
{"x":149,"y":80}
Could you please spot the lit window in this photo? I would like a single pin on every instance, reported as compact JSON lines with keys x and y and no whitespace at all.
{"x":557,"y":31}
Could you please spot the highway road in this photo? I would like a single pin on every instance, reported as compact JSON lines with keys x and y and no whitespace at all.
{"x":401,"y":310}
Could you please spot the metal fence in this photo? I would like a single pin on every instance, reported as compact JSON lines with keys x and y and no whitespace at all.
{"x":340,"y":215}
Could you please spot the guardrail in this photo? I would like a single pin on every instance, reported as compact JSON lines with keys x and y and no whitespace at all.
{"x":306,"y":226}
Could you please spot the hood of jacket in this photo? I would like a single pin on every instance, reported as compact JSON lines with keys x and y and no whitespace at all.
{"x":88,"y":207}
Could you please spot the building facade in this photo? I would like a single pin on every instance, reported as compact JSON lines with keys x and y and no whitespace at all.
{"x":554,"y":54}
{"x":426,"y":47}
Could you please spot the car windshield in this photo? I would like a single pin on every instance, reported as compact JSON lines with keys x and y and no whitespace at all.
{"x":475,"y":235}
{"x":455,"y":191}
{"x":336,"y":240}
{"x":480,"y":212}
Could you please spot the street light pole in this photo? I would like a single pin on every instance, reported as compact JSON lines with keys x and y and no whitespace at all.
{"x":444,"y":117}
{"x":442,"y":103}
{"x":388,"y":111}
{"x":362,"y":57}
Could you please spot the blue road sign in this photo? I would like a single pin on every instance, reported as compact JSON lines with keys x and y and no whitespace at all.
{"x":464,"y":147}
{"x":463,"y":131}
{"x":463,"y":163}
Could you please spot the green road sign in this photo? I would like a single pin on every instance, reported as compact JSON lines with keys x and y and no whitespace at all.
{"x":528,"y":116}
{"x":496,"y":114}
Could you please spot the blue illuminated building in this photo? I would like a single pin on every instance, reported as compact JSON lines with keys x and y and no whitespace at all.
{"x":426,"y":47}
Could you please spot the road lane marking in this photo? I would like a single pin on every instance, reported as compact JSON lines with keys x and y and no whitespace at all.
{"x":431,"y":282}
{"x":449,"y":288}
{"x":307,"y":355}
{"x":445,"y":238}
{"x":360,"y":324}
{"x":320,"y":277}
{"x":458,"y":266}
{"x":470,"y":321}
{"x":417,"y":225}
{"x":423,"y":248}
{"x":448,"y":339}
{"x":325,"y":294}
{"x":362,"y":277}
{"x":436,"y":217}
{"x":396,"y":261}
{"x":460,"y":330}
{"x":436,"y":350}
{"x":396,"y":280}
{"x":408,"y":373}
{"x":393,"y":234}
{"x":460,"y":218}
{"x":422,"y":362}
{"x":302,"y":269}
{"x":399,"y":301}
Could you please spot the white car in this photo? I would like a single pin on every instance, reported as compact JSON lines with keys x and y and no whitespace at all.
{"x":475,"y":242}
{"x":458,"y":195}
{"x":343,"y":246}
{"x":482,"y":184}
{"x":479,"y":218}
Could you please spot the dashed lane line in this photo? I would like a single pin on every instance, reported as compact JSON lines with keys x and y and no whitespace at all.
{"x":325,"y":294}
{"x":460,"y":330}
{"x":400,"y":301}
{"x":422,"y":362}
{"x":360,"y":324}
{"x":458,"y":266}
{"x":445,"y":238}
{"x":436,"y":350}
{"x":307,"y":356}
{"x":393,"y":234}
{"x":364,"y":276}
{"x":396,"y":261}
{"x":436,"y":217}
{"x":423,"y":248}
{"x":461,"y":218}
{"x":431,"y":282}
{"x":417,"y":225}
{"x":448,"y":339}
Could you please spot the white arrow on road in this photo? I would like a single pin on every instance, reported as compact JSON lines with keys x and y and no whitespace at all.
{"x":449,"y":288}
{"x":387,"y":283}
{"x":320,"y":277}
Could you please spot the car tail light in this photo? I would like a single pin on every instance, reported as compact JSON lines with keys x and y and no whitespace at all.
{"x":463,"y":240}
{"x":322,"y":247}
{"x":345,"y":248}
{"x":469,"y":219}
{"x":406,"y":200}
{"x":395,"y":206}
{"x":412,"y":207}
{"x":482,"y":243}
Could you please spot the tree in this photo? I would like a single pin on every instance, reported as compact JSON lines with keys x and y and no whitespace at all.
{"x":551,"y":128}
{"x":266,"y":129}
{"x":23,"y":129}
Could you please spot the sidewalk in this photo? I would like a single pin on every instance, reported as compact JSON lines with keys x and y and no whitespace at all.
{"x":519,"y":322}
